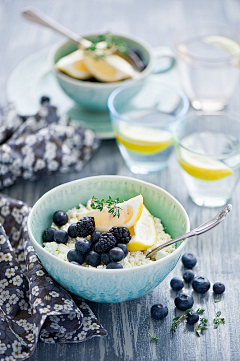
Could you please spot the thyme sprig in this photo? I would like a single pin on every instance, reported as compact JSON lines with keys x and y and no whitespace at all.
{"x":201,"y":326}
{"x":111,"y":204}
{"x":217,"y":320}
{"x":218,"y":299}
{"x":176,"y":320}
{"x":153,"y":338}
{"x":112,"y":43}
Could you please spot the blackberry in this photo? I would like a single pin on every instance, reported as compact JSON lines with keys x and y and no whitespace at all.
{"x":121,"y":234}
{"x":85,"y":226}
{"x":105,"y":243}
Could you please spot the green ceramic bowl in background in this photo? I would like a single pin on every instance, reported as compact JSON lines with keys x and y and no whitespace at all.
{"x":101,"y":285}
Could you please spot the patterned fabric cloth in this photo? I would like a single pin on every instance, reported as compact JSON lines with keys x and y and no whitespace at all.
{"x":44,"y":144}
{"x":32,"y":304}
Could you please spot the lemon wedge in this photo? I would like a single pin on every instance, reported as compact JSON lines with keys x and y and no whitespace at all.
{"x":144,"y":232}
{"x":231,"y":46}
{"x":130,"y":212}
{"x":202,"y":167}
{"x":74,"y":66}
{"x":143,"y":140}
{"x":109,"y":68}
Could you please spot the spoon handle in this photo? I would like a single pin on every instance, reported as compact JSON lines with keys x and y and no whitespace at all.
{"x":195,"y":232}
{"x":37,"y":16}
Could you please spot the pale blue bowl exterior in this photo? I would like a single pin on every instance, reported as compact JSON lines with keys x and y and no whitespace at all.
{"x":110,"y":286}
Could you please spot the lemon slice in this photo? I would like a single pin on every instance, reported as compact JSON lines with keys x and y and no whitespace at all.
{"x":74,"y":66}
{"x":231,"y":46}
{"x":143,"y":140}
{"x":130,"y":212}
{"x":110,"y":68}
{"x":144,"y":232}
{"x":202,"y":167}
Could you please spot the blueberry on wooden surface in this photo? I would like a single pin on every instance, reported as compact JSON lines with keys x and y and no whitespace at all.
{"x":192,"y":317}
{"x":218,"y":288}
{"x":184,"y":301}
{"x":200,"y":284}
{"x":60,"y":218}
{"x":159,"y":311}
{"x":48,"y":234}
{"x":189,"y":260}
{"x":188,"y":275}
{"x":60,"y":236}
{"x":176,"y":283}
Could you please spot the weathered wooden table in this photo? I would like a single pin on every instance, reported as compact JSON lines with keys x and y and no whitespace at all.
{"x":218,"y":252}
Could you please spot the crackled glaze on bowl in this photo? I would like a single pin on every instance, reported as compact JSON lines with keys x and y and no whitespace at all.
{"x":102,"y":285}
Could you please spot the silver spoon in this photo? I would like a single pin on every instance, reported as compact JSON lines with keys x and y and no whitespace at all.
{"x":195,"y":232}
{"x":37,"y":16}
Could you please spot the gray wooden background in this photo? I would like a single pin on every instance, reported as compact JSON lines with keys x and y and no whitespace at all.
{"x":218,"y":252}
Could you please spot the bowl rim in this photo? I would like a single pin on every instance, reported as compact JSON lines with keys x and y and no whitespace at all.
{"x":87,"y":84}
{"x":92,"y":269}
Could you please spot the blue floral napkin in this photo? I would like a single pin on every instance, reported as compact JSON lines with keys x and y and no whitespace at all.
{"x":32,"y":304}
{"x":44,"y":144}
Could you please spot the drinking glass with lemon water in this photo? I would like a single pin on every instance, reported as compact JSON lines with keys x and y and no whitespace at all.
{"x":209,"y":63}
{"x":208,"y":151}
{"x":142,"y":117}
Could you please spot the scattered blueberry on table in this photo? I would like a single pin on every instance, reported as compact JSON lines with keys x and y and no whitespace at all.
{"x":218,"y":288}
{"x":192,"y":317}
{"x":159,"y":311}
{"x":200,"y":284}
{"x":176,"y":283}
{"x":184,"y":301}
{"x":188,"y":275}
{"x":189,"y":260}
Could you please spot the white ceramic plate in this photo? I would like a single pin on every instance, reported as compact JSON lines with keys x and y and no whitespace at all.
{"x":32,"y":78}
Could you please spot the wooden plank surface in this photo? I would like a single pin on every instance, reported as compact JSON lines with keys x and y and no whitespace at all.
{"x":128,"y":324}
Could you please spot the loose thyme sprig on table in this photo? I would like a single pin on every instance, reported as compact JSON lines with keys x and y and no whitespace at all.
{"x":218,"y":299}
{"x":217,"y":320}
{"x":201,"y":326}
{"x":111,"y":204}
{"x":153,"y":338}
{"x":176,"y":320}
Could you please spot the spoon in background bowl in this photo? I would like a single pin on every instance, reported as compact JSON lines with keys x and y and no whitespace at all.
{"x":37,"y":16}
{"x":195,"y":232}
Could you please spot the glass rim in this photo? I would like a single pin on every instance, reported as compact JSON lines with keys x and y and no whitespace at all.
{"x":117,"y":91}
{"x":201,"y":58}
{"x":201,"y":113}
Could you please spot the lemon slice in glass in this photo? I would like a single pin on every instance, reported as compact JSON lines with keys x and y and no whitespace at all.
{"x":143,"y":140}
{"x":144,"y":232}
{"x":203,"y":167}
{"x":224,"y":43}
{"x":129,"y":213}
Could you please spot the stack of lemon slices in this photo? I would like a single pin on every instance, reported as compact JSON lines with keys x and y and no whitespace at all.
{"x":132,"y":215}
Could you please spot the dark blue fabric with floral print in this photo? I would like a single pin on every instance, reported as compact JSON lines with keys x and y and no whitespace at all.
{"x":32,"y":304}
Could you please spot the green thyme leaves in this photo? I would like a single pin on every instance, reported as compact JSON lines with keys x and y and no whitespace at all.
{"x":111,"y":204}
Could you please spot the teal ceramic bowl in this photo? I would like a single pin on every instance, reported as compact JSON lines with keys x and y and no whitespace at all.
{"x":94,"y":95}
{"x":114,"y":285}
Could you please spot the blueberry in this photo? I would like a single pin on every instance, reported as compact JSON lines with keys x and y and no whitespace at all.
{"x":176,"y":283}
{"x":124,"y":248}
{"x":105,"y":258}
{"x":93,"y":259}
{"x":201,"y":284}
{"x":218,"y":288}
{"x":60,"y":236}
{"x":47,"y":235}
{"x":72,"y":230}
{"x":113,"y":265}
{"x":116,"y":254}
{"x":76,"y":263}
{"x":95,"y":237}
{"x":60,"y":218}
{"x":44,"y":99}
{"x":192,"y":317}
{"x":189,"y":260}
{"x":188,"y":275}
{"x":83,"y":245}
{"x":75,"y":256}
{"x":159,"y":312}
{"x":184,"y":301}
